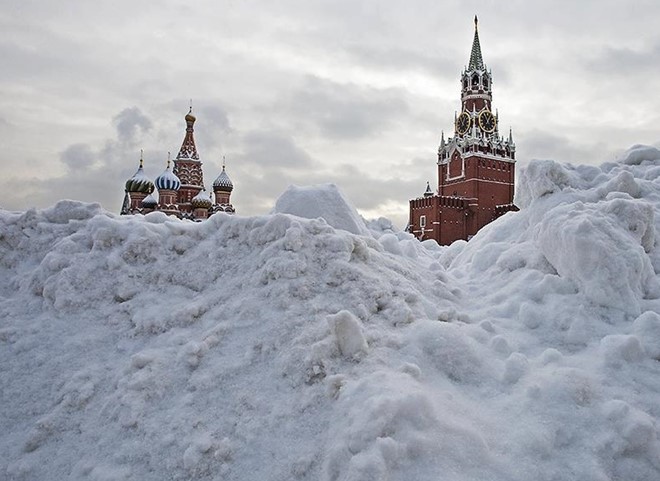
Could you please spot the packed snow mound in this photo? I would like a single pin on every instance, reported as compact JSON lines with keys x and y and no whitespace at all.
{"x":321,"y":201}
{"x":279,"y":347}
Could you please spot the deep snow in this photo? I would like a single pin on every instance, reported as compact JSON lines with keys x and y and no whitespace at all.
{"x":280,"y":347}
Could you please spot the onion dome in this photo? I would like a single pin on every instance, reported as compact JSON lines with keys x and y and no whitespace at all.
{"x":201,"y":200}
{"x":223,"y":182}
{"x":149,"y":202}
{"x":140,"y":182}
{"x":190,"y":117}
{"x":168,"y":180}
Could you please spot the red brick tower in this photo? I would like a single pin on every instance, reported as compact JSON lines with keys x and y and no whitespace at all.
{"x":188,"y":168}
{"x":476,"y":166}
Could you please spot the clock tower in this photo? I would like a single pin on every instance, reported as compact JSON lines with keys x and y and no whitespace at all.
{"x":476,"y":167}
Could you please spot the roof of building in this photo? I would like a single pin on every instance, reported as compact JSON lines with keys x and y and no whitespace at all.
{"x":168,"y":180}
{"x":476,"y":60}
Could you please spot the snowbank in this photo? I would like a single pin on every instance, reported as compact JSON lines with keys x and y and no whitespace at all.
{"x":324,"y":201}
{"x":279,"y":347}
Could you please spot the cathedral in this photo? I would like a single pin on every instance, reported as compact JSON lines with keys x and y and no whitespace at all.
{"x":181,"y":191}
{"x":476,"y":166}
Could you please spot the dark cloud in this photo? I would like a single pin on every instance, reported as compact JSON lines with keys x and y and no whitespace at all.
{"x":78,"y":157}
{"x":213,"y":128}
{"x":216,"y":118}
{"x":131,"y":123}
{"x":273,"y":150}
{"x":627,"y":62}
{"x":344,"y":111}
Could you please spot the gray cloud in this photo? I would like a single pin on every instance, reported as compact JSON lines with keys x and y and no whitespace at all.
{"x":216,"y":118}
{"x":131,"y":123}
{"x":397,"y":59}
{"x":78,"y":157}
{"x":273,"y":150}
{"x":537,"y":144}
{"x":342,"y":111}
{"x":627,"y":62}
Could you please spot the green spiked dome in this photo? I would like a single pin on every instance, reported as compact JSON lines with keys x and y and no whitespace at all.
{"x":140,"y":182}
{"x":201,"y":200}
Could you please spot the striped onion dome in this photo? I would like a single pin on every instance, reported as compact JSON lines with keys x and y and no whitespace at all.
{"x":149,"y":202}
{"x":201,"y":200}
{"x":140,"y":182}
{"x":168,"y":180}
{"x":223,"y":182}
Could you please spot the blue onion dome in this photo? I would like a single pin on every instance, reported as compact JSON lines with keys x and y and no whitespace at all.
{"x":140,"y":182}
{"x":223,"y":182}
{"x":201,"y":200}
{"x":149,"y":202}
{"x":167,"y":180}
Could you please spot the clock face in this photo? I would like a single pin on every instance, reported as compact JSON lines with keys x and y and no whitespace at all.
{"x":487,"y":121}
{"x":463,"y":123}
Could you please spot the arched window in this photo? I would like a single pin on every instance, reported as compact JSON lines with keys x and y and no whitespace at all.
{"x":475,"y":81}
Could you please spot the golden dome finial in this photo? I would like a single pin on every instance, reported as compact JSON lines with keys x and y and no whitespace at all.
{"x":141,"y":158}
{"x":189,"y":116}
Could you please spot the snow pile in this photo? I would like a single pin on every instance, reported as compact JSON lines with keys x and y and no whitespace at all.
{"x":280,"y":347}
{"x":325,"y":201}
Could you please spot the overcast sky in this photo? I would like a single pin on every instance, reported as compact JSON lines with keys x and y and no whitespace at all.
{"x":353,"y":92}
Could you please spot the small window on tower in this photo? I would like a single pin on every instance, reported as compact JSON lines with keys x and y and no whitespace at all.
{"x":422,"y":221}
{"x":475,"y":81}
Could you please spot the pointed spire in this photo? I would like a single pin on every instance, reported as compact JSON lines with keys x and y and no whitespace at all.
{"x":510,"y":136}
{"x":188,"y":150}
{"x":476,"y":60}
{"x":428,"y":192}
{"x":442,"y":139}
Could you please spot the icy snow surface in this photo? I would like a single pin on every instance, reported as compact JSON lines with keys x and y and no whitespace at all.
{"x":281,"y":348}
{"x":325,"y":201}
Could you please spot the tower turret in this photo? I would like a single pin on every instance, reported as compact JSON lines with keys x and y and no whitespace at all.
{"x":476,"y":79}
{"x":168,"y":185}
{"x":222,"y":188}
{"x":187,"y":166}
{"x":137,"y":188}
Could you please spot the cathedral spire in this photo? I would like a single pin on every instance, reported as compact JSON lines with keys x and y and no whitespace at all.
{"x":476,"y":60}
{"x":188,"y":149}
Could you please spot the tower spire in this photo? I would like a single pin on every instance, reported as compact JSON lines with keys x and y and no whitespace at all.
{"x":476,"y":60}
{"x":188,"y":149}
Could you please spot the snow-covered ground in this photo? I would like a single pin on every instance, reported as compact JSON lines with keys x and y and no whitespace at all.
{"x":281,"y":348}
